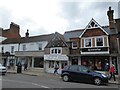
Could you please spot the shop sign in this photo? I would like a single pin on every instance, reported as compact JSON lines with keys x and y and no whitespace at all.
{"x":56,"y":57}
{"x":100,"y":49}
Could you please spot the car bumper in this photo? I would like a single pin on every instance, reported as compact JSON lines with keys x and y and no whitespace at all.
{"x":105,"y":80}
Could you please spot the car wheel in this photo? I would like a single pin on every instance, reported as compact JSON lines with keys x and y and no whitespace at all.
{"x":97,"y":81}
{"x":66,"y":78}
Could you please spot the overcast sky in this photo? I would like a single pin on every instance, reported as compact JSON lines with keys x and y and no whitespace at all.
{"x":50,"y":16}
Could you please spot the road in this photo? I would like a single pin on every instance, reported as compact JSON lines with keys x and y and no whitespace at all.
{"x":50,"y":81}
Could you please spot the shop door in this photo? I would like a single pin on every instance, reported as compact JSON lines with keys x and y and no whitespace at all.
{"x":114,"y":61}
{"x":74,"y":61}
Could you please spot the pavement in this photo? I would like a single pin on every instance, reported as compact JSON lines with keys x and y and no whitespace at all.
{"x":42,"y":73}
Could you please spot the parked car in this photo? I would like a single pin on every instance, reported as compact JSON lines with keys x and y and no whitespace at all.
{"x":3,"y":69}
{"x":83,"y":74}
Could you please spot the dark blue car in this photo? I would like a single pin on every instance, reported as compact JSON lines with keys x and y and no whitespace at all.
{"x":83,"y":74}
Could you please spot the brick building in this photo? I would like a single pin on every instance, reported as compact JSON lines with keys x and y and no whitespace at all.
{"x":95,"y":46}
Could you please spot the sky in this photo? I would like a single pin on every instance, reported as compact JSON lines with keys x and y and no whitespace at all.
{"x":50,"y":16}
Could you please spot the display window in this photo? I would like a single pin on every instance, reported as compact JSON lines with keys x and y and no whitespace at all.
{"x":96,"y":63}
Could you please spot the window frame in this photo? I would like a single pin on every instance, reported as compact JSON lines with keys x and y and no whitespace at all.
{"x":24,"y":47}
{"x":85,"y":42}
{"x":73,"y":42}
{"x":96,"y":41}
{"x":40,"y":46}
{"x":12,"y":49}
{"x":55,"y":51}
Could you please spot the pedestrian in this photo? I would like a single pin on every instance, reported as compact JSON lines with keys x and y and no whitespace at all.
{"x":56,"y":69}
{"x":107,"y":69}
{"x":25,"y":66}
{"x":112,"y":72}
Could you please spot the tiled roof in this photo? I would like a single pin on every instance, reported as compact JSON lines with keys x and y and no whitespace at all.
{"x":77,"y":33}
{"x":28,"y":39}
{"x":72,"y":34}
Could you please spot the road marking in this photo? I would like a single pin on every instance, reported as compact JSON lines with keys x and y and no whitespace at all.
{"x":27,"y":83}
{"x":40,"y":85}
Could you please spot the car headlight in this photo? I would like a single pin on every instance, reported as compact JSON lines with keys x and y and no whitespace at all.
{"x":104,"y":75}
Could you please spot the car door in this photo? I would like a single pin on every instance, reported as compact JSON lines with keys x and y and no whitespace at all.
{"x":84,"y":75}
{"x":73,"y":71}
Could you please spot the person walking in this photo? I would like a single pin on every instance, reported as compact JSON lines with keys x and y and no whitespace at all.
{"x":25,"y":66}
{"x":112,"y":73}
{"x":56,"y":69}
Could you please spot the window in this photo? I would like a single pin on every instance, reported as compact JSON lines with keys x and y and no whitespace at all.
{"x":12,"y":49}
{"x":24,"y":47}
{"x":51,"y":64}
{"x":39,"y":46}
{"x":2,"y":49}
{"x":39,"y":62}
{"x":87,"y":42}
{"x":74,"y":44}
{"x":73,"y":68}
{"x":99,"y":41}
{"x":56,"y":50}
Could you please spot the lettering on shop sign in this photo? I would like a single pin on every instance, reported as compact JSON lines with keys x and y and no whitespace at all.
{"x":100,"y":49}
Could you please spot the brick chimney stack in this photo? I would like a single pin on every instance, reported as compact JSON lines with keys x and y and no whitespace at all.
{"x":27,"y":34}
{"x":110,"y":18}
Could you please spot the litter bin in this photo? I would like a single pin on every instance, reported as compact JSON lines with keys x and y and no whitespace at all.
{"x":19,"y":68}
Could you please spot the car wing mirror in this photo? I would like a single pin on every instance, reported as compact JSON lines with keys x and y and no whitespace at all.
{"x":88,"y":71}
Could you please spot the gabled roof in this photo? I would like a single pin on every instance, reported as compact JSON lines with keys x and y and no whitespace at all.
{"x":28,"y":39}
{"x":93,"y":24}
{"x":57,"y":41}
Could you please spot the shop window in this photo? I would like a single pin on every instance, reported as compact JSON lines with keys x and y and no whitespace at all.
{"x":87,"y":42}
{"x":99,"y":41}
{"x":39,"y":62}
{"x":74,"y":44}
{"x":63,"y":64}
{"x":51,"y":64}
{"x":96,"y":63}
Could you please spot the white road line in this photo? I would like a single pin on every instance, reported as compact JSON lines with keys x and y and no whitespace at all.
{"x":40,"y":85}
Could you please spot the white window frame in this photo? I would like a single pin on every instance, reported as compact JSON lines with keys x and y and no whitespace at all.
{"x":39,"y":46}
{"x":24,"y":47}
{"x":85,"y":42}
{"x":96,"y":41}
{"x":12,"y":49}
{"x":57,"y":48}
{"x":73,"y":44}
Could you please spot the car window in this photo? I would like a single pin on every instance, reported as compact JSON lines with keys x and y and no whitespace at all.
{"x":84,"y":69}
{"x":73,"y":68}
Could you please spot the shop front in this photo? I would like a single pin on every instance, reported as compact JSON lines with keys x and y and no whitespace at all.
{"x":96,"y":62}
{"x":99,"y":63}
{"x":52,"y":60}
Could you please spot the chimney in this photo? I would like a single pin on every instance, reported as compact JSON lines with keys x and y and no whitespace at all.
{"x":14,"y":26}
{"x":27,"y":34}
{"x":110,"y":18}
